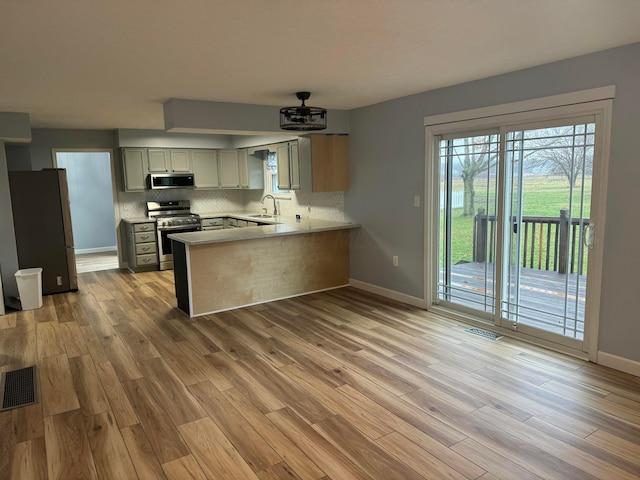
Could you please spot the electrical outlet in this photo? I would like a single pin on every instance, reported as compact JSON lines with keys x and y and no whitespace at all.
{"x":59,"y":280}
{"x":395,"y":261}
{"x":416,"y":200}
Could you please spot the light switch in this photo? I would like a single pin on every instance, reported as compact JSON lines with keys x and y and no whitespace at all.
{"x":416,"y":200}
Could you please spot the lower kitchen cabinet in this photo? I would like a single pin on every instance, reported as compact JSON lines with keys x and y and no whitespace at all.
{"x":212,"y":223}
{"x":142,"y":246}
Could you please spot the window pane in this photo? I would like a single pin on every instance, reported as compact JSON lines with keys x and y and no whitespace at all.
{"x":468,"y":203}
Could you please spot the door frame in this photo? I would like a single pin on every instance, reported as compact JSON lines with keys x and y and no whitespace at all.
{"x":114,"y":187}
{"x":597,"y":101}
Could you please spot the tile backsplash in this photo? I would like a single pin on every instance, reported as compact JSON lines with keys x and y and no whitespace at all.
{"x":325,"y":206}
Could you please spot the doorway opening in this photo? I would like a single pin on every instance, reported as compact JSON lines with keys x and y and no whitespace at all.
{"x":94,"y":212}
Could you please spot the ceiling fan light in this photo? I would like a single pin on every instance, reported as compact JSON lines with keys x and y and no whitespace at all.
{"x":303,"y":118}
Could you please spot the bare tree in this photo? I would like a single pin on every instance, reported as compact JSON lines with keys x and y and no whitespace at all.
{"x":558,"y":151}
{"x":474,"y":156}
{"x":561,"y":152}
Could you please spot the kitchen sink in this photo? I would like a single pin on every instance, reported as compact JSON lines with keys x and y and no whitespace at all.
{"x":260,"y":215}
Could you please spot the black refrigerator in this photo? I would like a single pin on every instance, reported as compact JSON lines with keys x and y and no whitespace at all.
{"x":42,"y":221}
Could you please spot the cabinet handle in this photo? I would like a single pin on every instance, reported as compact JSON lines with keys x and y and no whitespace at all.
{"x":145,"y":249}
{"x":144,"y":237}
{"x":146,"y":260}
{"x":144,"y":227}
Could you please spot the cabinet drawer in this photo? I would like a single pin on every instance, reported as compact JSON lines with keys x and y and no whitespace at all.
{"x":145,"y":248}
{"x":151,"y":259}
{"x":212,"y":222}
{"x":232,"y":222}
{"x":144,"y":227}
{"x":145,"y":237}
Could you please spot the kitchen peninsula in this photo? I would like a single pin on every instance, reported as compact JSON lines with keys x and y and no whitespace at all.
{"x":224,"y":269}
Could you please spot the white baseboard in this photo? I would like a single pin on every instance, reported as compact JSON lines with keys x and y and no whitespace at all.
{"x":385,"y":292}
{"x":619,"y":363}
{"x":80,"y":251}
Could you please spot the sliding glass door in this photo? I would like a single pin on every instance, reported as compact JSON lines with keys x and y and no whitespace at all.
{"x":514,"y":228}
{"x":468,"y":184}
{"x":546,"y":229}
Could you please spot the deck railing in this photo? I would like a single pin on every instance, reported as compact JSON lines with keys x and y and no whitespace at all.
{"x":548,"y":243}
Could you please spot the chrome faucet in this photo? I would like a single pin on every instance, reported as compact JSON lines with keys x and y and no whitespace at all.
{"x":275,"y":209}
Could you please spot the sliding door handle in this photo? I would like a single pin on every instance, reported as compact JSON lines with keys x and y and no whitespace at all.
{"x":589,"y":235}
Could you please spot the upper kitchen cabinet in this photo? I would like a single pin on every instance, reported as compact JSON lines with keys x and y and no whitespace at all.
{"x":324,"y":162}
{"x":251,"y":169}
{"x":163,"y":160}
{"x":135,"y":169}
{"x":158,"y":160}
{"x":238,"y":169}
{"x":228,"y":168}
{"x":180,"y":161}
{"x":205,"y":168}
{"x":288,"y":166}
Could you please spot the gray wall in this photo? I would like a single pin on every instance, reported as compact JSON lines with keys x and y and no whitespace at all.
{"x":8,"y":249}
{"x":18,"y":157}
{"x":387,"y":163}
{"x":91,"y":199}
{"x":45,"y":139}
{"x":14,"y":128}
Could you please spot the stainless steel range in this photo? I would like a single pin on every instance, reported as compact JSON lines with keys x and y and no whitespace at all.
{"x":172,"y":216}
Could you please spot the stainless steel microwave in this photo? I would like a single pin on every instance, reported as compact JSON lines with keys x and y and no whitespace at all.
{"x":171,"y":180}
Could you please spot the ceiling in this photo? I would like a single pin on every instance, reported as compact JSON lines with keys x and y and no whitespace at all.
{"x":108,"y":64}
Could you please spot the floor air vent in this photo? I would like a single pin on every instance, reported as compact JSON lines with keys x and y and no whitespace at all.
{"x":18,"y":388}
{"x":484,"y":333}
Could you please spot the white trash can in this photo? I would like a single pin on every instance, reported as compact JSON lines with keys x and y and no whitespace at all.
{"x":30,"y":288}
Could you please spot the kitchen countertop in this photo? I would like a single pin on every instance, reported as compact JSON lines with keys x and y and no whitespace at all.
{"x":139,"y":220}
{"x":278,"y":225}
{"x":249,"y":216}
{"x":240,"y":215}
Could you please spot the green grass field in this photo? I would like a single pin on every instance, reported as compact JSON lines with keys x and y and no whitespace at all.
{"x":542,"y":196}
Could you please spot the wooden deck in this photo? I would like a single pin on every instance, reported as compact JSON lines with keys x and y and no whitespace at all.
{"x":542,"y":300}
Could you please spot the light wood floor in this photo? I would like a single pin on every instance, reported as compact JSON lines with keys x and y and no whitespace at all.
{"x":93,"y":262}
{"x":338,"y":385}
